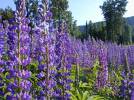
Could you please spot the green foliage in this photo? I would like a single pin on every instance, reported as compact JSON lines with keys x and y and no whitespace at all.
{"x":98,"y":31}
{"x":59,"y":9}
{"x":86,"y":89}
{"x":6,"y":13}
{"x":95,"y":30}
{"x":113,"y":11}
{"x":96,"y":97}
{"x":79,"y":95}
{"x":60,"y":12}
{"x":74,"y":31}
{"x":115,"y":75}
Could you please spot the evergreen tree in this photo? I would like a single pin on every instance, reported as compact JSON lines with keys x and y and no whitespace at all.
{"x":90,"y":28}
{"x":6,"y":13}
{"x":75,"y":30}
{"x":113,"y":11}
{"x":86,"y":35}
{"x":59,"y":8}
{"x":127,"y":34}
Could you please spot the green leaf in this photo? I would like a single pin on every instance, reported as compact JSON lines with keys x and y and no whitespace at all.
{"x":85,"y":95}
{"x":73,"y":96}
{"x":79,"y":95}
{"x":96,"y":97}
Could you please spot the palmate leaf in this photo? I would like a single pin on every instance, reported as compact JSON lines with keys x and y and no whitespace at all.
{"x":2,"y":98}
{"x":73,"y":96}
{"x":82,"y":85}
{"x":8,"y":93}
{"x":96,"y":97}
{"x":95,"y":69}
{"x":85,"y":95}
{"x":79,"y":95}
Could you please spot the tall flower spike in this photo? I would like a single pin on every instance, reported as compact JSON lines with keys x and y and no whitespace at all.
{"x":23,"y":45}
{"x":62,"y":62}
{"x":12,"y":61}
{"x":45,"y":52}
{"x":103,"y":72}
{"x":2,"y":52}
{"x":131,"y":84}
{"x":20,"y":7}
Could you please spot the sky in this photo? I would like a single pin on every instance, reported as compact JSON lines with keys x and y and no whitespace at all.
{"x":83,"y":10}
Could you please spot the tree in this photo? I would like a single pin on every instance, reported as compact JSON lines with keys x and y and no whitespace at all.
{"x":6,"y":13}
{"x":113,"y":11}
{"x":86,"y":34}
{"x":127,"y":34}
{"x":59,"y":8}
{"x":90,"y":28}
{"x":75,"y":30}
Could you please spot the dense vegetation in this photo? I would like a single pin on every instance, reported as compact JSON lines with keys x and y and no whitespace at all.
{"x":40,"y":60}
{"x":98,"y":30}
{"x":115,"y":28}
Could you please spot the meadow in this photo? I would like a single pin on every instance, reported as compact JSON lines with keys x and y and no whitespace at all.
{"x":46,"y":63}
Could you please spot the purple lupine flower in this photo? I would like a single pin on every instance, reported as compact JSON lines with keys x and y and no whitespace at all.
{"x":2,"y":51}
{"x":24,"y":74}
{"x":2,"y":41}
{"x":103,"y":72}
{"x":25,"y":85}
{"x":130,"y":55}
{"x":1,"y":93}
{"x":11,"y":61}
{"x":41,"y":67}
{"x":131,"y":84}
{"x":11,"y":87}
{"x":41,"y":75}
{"x":11,"y":97}
{"x":62,"y":62}
{"x":123,"y":88}
{"x":22,"y":51}
{"x":44,"y":50}
{"x":24,"y":96}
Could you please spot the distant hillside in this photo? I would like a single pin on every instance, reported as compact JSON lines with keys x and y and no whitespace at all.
{"x":130,"y":21}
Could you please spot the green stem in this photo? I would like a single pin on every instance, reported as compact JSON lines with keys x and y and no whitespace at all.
{"x":47,"y":73}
